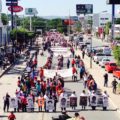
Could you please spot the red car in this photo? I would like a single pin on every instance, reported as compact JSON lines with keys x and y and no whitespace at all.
{"x":116,"y":73}
{"x":110,"y":67}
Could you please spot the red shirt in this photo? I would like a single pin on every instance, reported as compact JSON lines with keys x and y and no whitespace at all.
{"x":73,"y":62}
{"x":11,"y":117}
{"x":74,"y":70}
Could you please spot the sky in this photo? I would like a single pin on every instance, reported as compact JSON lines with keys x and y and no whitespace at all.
{"x":59,"y":7}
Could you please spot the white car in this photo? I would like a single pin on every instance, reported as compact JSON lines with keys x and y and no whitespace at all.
{"x":98,"y":57}
{"x":104,"y":61}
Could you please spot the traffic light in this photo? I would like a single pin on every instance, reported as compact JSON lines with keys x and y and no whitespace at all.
{"x":113,"y":1}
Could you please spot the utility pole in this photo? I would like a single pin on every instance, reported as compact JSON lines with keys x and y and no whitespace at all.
{"x":113,"y":20}
{"x":30,"y":23}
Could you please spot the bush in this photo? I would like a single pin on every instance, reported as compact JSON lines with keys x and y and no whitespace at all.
{"x":117,"y":38}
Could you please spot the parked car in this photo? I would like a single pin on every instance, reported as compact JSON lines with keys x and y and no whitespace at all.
{"x":116,"y":73}
{"x":104,"y":61}
{"x":110,"y":67}
{"x":98,"y":57}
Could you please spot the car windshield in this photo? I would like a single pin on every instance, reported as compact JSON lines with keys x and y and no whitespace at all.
{"x":106,"y":60}
{"x":113,"y":64}
{"x":99,"y":54}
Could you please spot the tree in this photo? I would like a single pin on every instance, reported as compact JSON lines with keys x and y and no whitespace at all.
{"x":107,"y":28}
{"x":4,"y":19}
{"x":116,"y":53}
{"x":21,"y":35}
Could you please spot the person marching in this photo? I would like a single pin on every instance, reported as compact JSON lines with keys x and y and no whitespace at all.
{"x":68,"y":63}
{"x":105,"y":80}
{"x":114,"y":84}
{"x":6,"y":102}
{"x":11,"y":116}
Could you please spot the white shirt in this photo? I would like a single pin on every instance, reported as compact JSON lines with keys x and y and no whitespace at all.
{"x":73,"y":95}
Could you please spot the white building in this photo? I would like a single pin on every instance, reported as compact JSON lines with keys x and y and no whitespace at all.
{"x":100,"y":20}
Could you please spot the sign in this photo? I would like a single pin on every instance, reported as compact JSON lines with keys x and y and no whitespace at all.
{"x":83,"y":100}
{"x":93,"y":100}
{"x":113,"y":1}
{"x":50,"y":105}
{"x":11,"y":0}
{"x":13,"y":103}
{"x":84,"y":9}
{"x":99,"y":100}
{"x":12,"y":4}
{"x":63,"y":102}
{"x":105,"y":101}
{"x":16,"y":8}
{"x":30,"y":102}
{"x":31,"y":11}
{"x":73,"y":101}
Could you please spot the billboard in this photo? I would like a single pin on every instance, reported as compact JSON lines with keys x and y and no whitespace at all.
{"x":113,"y":1}
{"x":31,"y":11}
{"x":84,"y":9}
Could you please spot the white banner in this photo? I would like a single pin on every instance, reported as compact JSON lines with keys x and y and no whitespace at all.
{"x":63,"y":53}
{"x":63,"y":73}
{"x":56,"y":49}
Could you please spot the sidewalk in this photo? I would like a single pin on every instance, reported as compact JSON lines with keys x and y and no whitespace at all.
{"x":98,"y":73}
{"x":2,"y":72}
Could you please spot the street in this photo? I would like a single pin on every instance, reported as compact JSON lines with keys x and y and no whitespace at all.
{"x":8,"y":83}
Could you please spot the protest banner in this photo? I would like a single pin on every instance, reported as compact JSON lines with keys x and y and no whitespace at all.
{"x":50,"y":105}
{"x":59,"y":49}
{"x":63,"y":102}
{"x":105,"y":101}
{"x":83,"y":100}
{"x":63,"y":73}
{"x":68,"y":103}
{"x":99,"y":100}
{"x":73,"y":101}
{"x":93,"y":100}
{"x":63,"y":53}
{"x":13,"y":102}
{"x":41,"y":102}
{"x":30,"y":102}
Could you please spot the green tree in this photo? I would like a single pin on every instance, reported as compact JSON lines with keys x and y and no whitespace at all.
{"x":107,"y":28}
{"x":21,"y":35}
{"x":4,"y":19}
{"x":116,"y":53}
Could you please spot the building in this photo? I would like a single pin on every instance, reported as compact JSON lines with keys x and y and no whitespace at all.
{"x":3,"y":34}
{"x":100,"y":20}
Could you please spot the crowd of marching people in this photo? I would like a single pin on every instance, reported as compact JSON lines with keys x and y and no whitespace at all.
{"x":34,"y":87}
